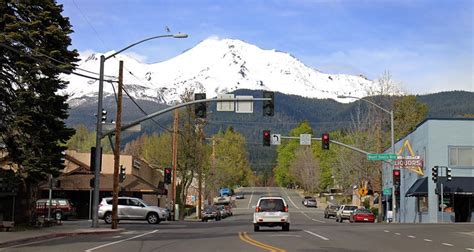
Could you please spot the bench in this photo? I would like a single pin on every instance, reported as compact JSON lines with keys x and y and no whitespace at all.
{"x":6,"y":225}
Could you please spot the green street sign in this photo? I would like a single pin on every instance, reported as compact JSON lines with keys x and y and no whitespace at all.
{"x":382,"y":156}
{"x":387,"y":191}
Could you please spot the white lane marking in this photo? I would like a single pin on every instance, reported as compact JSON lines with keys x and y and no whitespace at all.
{"x":318,"y":221}
{"x":427,"y":240}
{"x":117,"y":236}
{"x":112,"y":243}
{"x":292,"y":201}
{"x":469,"y":249}
{"x":285,"y":235}
{"x":397,"y":233}
{"x":386,"y":231}
{"x":411,"y":236}
{"x":31,"y":243}
{"x":250,"y":200}
{"x":447,"y":244}
{"x":319,"y":236}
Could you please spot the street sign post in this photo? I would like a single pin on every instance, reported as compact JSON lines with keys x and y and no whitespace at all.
{"x":381,"y":156}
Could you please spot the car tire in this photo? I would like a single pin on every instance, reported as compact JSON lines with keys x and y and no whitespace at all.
{"x":153,"y":218}
{"x":58,"y":215}
{"x":286,"y":227}
{"x":108,"y":217}
{"x":256,"y":228}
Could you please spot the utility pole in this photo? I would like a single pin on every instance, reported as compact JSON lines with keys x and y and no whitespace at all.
{"x":118,"y":125}
{"x":175,"y":158}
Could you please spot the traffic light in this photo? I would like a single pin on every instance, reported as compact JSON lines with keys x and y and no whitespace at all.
{"x":269,"y":106}
{"x":63,"y":158}
{"x":200,"y":108}
{"x":167,"y":176}
{"x":104,"y":116}
{"x":434,"y":173}
{"x":92,"y":161}
{"x":266,"y":138}
{"x":122,"y":175}
{"x":449,"y":177}
{"x":396,"y":177}
{"x":325,"y":141}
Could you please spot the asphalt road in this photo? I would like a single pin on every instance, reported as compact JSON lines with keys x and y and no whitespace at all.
{"x":309,"y":231}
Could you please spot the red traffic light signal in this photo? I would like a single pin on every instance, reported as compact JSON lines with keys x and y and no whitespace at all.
{"x":266,"y":138}
{"x":325,"y":141}
{"x":396,"y":177}
{"x":167,"y":176}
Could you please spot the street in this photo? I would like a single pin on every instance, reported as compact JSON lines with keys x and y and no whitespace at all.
{"x":309,"y":231}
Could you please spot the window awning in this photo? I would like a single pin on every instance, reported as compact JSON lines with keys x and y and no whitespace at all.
{"x":458,"y":185}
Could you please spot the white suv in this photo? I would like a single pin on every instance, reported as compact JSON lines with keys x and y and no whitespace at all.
{"x":129,"y":208}
{"x":271,"y":212}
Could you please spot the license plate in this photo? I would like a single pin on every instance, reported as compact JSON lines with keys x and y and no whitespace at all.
{"x":271,"y":214}
{"x":366,"y":219}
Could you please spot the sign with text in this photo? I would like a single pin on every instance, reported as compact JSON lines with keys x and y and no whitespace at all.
{"x":244,"y":106}
{"x":225,"y":106}
{"x":408,"y":162}
{"x":381,"y":156}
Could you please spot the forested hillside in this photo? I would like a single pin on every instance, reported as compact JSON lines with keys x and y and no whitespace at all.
{"x":323,"y":115}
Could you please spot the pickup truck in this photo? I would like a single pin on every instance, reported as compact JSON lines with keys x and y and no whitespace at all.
{"x":344,"y":212}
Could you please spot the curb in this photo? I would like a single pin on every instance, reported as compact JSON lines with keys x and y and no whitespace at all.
{"x":55,"y":235}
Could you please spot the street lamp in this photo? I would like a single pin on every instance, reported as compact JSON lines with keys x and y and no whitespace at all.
{"x":95,"y":219}
{"x":392,"y":148}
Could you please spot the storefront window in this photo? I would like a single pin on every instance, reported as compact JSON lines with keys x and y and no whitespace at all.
{"x":422,"y":204}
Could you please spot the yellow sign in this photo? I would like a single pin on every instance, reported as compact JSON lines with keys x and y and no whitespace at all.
{"x":415,"y":169}
{"x":363,"y":191}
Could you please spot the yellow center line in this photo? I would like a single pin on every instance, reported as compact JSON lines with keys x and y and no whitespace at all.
{"x":244,"y":237}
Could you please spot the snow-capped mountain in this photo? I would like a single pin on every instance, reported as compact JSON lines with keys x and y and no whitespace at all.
{"x":214,"y":66}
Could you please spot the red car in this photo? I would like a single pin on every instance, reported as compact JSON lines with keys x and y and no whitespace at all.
{"x":362,"y":215}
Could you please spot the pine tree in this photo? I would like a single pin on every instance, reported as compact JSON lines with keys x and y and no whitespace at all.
{"x":34,"y":36}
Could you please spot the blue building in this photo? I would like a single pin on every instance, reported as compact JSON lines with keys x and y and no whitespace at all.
{"x":446,"y":143}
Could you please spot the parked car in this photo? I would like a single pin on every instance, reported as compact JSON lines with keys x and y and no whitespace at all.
{"x":130,"y":208}
{"x":330,"y":210}
{"x":271,"y":212}
{"x":362,"y":215}
{"x":344,"y":212}
{"x":61,"y":209}
{"x":211,"y":212}
{"x":311,"y":202}
{"x":239,"y":196}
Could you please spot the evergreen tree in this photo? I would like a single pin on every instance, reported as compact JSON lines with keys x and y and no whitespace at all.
{"x":32,"y":119}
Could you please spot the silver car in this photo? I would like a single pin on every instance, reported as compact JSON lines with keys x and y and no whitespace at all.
{"x":129,"y":208}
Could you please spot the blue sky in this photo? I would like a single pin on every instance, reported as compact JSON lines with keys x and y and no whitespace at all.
{"x":426,"y":45}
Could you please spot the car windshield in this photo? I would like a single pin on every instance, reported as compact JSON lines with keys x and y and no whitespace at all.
{"x":272,"y":205}
{"x":350,"y":208}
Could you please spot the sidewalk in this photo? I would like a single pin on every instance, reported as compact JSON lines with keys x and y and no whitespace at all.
{"x":67,"y":228}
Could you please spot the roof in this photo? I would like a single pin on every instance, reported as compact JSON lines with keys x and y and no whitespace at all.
{"x":430,"y":119}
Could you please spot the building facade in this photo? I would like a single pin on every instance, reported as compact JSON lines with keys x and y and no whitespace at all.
{"x":445,"y":143}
